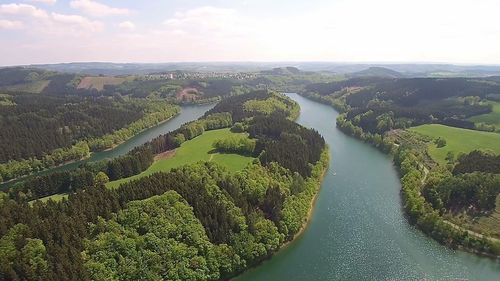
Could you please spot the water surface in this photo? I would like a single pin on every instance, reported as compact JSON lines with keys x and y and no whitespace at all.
{"x":358,"y":230}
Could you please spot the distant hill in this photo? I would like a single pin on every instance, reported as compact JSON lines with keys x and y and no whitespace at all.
{"x":376,"y":71}
{"x":288,"y":70}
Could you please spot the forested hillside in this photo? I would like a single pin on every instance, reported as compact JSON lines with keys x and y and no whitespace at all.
{"x":195,"y":222}
{"x":42,"y":131}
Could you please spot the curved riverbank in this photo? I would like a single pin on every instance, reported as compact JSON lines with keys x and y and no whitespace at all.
{"x":358,"y":230}
{"x":188,"y":113}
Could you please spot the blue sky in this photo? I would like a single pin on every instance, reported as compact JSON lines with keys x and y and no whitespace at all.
{"x":51,"y":31}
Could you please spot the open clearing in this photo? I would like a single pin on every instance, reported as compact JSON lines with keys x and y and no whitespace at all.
{"x":492,"y":118}
{"x":197,"y":149}
{"x":29,"y":87}
{"x":98,"y":82}
{"x":458,"y":140}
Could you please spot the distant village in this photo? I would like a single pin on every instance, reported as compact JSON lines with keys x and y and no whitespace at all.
{"x":180,"y":75}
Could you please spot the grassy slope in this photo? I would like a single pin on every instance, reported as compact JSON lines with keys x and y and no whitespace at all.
{"x":98,"y":82}
{"x":30,"y":87}
{"x":458,"y":140}
{"x":492,"y":118}
{"x":197,"y":149}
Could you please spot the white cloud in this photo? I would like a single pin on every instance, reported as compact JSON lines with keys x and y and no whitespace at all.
{"x":8,"y":24}
{"x":127,"y":25}
{"x":22,"y":10}
{"x":464,"y":31}
{"x":48,"y":2}
{"x":77,"y":21}
{"x":96,"y":9}
{"x":207,"y":20}
{"x":40,"y":21}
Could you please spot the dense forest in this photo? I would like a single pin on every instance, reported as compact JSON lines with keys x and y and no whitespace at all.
{"x":477,"y":161}
{"x":42,"y":131}
{"x":380,"y":104}
{"x":195,"y":222}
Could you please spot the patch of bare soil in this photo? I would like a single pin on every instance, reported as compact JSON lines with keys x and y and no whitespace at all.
{"x":188,"y":94}
{"x":165,"y":155}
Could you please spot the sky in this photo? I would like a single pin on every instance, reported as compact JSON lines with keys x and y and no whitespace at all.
{"x":444,"y":31}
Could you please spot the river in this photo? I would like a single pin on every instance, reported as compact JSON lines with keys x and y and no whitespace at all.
{"x":358,"y":230}
{"x":188,"y":113}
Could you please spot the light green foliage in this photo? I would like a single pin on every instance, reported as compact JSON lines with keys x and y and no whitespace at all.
{"x":458,"y":140}
{"x":277,"y":102}
{"x":17,"y":168}
{"x":264,"y":106}
{"x":154,"y":239}
{"x":101,"y":179}
{"x":155,"y":113}
{"x":235,"y":144}
{"x":197,"y":149}
{"x":16,"y":248}
{"x":296,"y":207}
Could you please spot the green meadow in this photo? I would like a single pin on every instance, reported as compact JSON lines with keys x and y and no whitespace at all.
{"x":197,"y":149}
{"x":492,"y":118}
{"x":458,"y":140}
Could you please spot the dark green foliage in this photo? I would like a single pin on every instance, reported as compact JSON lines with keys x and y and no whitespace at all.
{"x":39,"y":124}
{"x":474,"y":192}
{"x":478,"y":161}
{"x":205,"y":223}
{"x":234,"y":105}
{"x":440,"y":142}
{"x":283,"y":141}
{"x":61,"y":85}
{"x":405,"y":102}
{"x":133,"y":163}
{"x":422,"y":213}
{"x":18,"y":75}
{"x":55,"y":183}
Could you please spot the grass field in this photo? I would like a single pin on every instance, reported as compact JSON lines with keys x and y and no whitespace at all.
{"x":55,"y":197}
{"x":197,"y":149}
{"x":30,"y":87}
{"x":458,"y":140}
{"x":98,"y":82}
{"x":492,"y":118}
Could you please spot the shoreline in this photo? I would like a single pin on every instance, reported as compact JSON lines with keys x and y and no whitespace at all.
{"x":303,"y":227}
{"x":460,"y":246}
{"x":312,"y":207}
{"x":2,"y":187}
{"x":138,"y":133}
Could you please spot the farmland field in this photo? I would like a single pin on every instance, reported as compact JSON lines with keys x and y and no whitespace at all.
{"x":458,"y":140}
{"x":197,"y":149}
{"x":98,"y":82}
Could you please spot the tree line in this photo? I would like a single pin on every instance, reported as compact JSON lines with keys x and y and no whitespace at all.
{"x":42,"y":132}
{"x":197,"y":222}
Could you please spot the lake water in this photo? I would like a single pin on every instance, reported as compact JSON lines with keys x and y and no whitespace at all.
{"x":358,"y":230}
